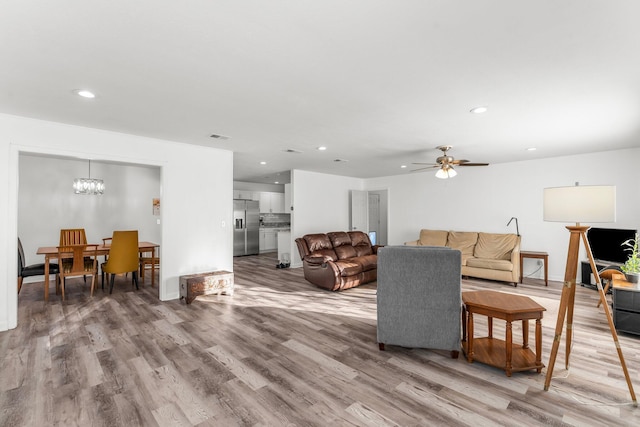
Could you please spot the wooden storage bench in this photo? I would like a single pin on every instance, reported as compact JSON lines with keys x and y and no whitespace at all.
{"x":214,"y":282}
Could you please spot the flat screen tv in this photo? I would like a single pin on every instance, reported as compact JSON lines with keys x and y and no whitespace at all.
{"x":606,"y":244}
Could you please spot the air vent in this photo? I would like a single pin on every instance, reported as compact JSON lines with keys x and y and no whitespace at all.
{"x":291,"y":150}
{"x":222,"y":137}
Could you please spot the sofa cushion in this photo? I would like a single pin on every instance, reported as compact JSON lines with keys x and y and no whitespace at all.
{"x":348,"y":267}
{"x":495,"y":246}
{"x":361,"y":243}
{"x":367,"y":262}
{"x":342,"y":244}
{"x":319,"y":244}
{"x":464,"y":241}
{"x":491,"y":264}
{"x":433,"y":237}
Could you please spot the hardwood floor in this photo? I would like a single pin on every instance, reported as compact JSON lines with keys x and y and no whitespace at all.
{"x":282,"y":352}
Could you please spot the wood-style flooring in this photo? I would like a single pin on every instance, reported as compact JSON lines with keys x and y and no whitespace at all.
{"x":282,"y":352}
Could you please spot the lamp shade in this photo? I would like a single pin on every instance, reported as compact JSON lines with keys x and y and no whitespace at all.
{"x":587,"y":203}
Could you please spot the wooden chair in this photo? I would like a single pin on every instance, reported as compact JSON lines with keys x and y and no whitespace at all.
{"x":78,"y":260}
{"x":606,"y":277}
{"x":150,"y":262}
{"x":123,"y":257}
{"x":72,"y":236}
{"x":33,"y":269}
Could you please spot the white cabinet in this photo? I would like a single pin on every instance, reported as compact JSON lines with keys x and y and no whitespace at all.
{"x":246,"y":195}
{"x":271,"y":202}
{"x":277,"y":203}
{"x":268,"y":241}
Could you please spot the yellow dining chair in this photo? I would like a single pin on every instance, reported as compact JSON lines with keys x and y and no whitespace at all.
{"x":77,"y":260}
{"x":123,"y":257}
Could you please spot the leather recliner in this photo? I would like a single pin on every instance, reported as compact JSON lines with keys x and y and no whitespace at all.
{"x":338,"y":260}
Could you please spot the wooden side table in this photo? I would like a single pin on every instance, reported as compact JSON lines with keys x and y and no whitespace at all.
{"x":537,"y":255}
{"x":496,"y":352}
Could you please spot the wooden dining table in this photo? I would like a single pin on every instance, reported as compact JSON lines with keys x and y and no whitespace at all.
{"x":51,"y":253}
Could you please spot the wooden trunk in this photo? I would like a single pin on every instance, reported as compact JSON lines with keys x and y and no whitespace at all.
{"x":214,"y":282}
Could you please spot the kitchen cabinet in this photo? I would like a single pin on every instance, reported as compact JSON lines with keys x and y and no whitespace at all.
{"x":271,"y":202}
{"x":268,"y":242}
{"x":246,"y":195}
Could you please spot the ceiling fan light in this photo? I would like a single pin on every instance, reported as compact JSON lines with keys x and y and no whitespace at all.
{"x":442,"y":174}
{"x":446,"y":172}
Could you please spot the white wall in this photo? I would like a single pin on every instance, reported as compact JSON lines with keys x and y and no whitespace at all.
{"x":196,"y":195}
{"x":320,"y":204}
{"x":485,"y":198}
{"x":45,"y":185}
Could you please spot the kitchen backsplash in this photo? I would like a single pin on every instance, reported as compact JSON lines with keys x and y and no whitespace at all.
{"x":275,"y":220}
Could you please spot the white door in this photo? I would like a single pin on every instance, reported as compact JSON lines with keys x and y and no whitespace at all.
{"x":359,"y":211}
{"x":374,"y":217}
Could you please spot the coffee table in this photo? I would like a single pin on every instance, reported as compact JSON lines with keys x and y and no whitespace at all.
{"x":496,"y":352}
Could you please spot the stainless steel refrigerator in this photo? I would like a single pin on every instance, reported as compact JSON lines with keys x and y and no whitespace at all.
{"x":246,"y":231}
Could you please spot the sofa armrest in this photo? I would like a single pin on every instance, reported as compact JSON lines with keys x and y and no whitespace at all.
{"x":317,"y":259}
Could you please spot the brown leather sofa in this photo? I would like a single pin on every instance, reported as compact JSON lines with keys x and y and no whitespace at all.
{"x":338,"y":260}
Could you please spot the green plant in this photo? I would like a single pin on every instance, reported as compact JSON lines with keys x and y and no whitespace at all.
{"x":632,"y":265}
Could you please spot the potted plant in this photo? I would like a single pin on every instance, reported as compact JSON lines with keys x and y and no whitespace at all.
{"x":631,"y":267}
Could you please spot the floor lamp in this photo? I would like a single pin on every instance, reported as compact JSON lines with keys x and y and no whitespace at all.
{"x":580,"y":204}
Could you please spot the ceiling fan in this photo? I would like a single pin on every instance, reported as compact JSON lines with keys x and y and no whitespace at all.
{"x":445,"y":164}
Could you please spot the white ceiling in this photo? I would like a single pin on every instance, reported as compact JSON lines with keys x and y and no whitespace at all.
{"x":379,"y":83}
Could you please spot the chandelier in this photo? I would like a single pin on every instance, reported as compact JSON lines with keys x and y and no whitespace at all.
{"x":88,"y":185}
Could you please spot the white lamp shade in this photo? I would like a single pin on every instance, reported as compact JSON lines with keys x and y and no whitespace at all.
{"x":588,"y":203}
{"x":444,"y":173}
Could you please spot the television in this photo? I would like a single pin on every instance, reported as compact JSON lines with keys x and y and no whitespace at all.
{"x":606,"y":244}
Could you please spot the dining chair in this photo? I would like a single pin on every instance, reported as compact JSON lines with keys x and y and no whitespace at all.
{"x":123,"y":257}
{"x":33,"y":269}
{"x":148,"y":262}
{"x":72,"y":236}
{"x":77,"y":260}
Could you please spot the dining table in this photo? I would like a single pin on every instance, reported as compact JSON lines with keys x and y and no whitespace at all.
{"x":51,"y":253}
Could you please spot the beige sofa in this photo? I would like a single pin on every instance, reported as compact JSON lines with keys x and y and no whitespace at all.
{"x":490,"y":256}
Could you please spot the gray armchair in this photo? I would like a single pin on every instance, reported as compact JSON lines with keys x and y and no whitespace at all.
{"x":419,"y":297}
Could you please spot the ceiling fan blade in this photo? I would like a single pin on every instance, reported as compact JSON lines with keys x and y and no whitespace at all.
{"x":473,"y":164}
{"x":428,"y":167}
{"x":457,"y":162}
{"x":424,"y":164}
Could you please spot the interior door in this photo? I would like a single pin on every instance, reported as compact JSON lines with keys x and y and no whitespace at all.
{"x":359,"y":211}
{"x":374,"y":216}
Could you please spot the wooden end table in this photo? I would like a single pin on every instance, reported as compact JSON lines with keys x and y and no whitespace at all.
{"x":536,"y":255}
{"x":496,"y":352}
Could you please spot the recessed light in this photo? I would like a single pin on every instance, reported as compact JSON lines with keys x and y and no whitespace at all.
{"x":276,"y":182}
{"x":479,"y":110}
{"x":322,"y":148}
{"x":403,"y":166}
{"x":263,"y":163}
{"x":531,"y":149}
{"x":85,"y":93}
